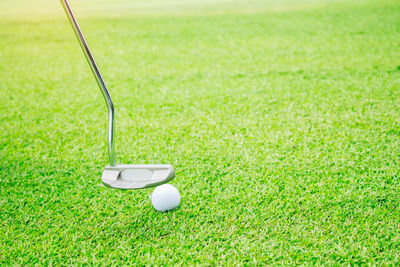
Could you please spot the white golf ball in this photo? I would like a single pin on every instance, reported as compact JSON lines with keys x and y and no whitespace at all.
{"x":165,"y":197}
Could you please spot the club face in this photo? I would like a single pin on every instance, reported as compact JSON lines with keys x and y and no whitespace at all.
{"x":137,"y":176}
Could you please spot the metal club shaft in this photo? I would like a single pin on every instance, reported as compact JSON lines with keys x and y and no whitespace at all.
{"x":99,"y":79}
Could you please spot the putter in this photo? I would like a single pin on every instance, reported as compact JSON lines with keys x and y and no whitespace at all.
{"x":119,"y":176}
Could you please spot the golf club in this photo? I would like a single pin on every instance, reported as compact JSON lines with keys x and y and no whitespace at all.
{"x":119,"y":176}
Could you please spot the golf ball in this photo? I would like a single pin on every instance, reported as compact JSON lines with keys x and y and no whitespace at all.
{"x":165,"y":197}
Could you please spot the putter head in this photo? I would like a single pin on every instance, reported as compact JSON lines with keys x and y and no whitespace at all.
{"x":137,"y":176}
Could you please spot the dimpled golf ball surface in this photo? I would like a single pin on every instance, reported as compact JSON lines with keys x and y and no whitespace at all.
{"x":165,"y":197}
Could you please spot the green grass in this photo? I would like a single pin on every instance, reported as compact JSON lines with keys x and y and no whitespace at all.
{"x":281,"y":119}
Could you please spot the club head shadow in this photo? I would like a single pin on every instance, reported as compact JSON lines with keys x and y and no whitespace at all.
{"x":137,"y":176}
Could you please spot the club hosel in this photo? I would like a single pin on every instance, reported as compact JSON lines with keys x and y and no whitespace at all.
{"x":111,"y":130}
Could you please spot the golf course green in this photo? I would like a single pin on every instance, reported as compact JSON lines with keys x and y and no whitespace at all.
{"x":281,"y":119}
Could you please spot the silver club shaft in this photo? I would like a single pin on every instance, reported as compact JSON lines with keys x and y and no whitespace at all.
{"x":99,"y":79}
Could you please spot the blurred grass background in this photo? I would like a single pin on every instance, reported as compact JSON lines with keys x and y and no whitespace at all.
{"x":42,"y":9}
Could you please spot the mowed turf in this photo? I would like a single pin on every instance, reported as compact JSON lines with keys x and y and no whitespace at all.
{"x":282,"y":123}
